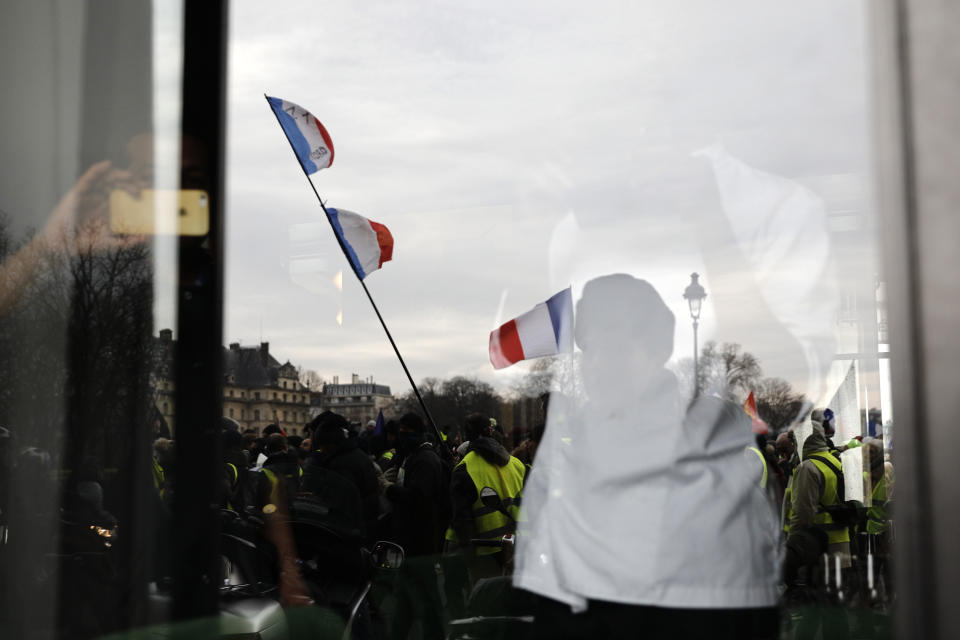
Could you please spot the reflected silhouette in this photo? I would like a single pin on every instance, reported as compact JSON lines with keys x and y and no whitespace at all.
{"x":634,"y":502}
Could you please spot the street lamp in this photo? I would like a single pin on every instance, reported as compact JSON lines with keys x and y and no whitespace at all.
{"x":694,"y":295}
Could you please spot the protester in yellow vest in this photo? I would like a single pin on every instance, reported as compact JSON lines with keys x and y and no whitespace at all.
{"x":816,"y":488}
{"x":281,"y":473}
{"x":786,"y":446}
{"x":877,"y":516}
{"x":487,"y":464}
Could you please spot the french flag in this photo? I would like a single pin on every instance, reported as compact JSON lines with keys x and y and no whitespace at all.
{"x":367,"y":244}
{"x":750,"y":408}
{"x":545,"y":330}
{"x":310,"y":141}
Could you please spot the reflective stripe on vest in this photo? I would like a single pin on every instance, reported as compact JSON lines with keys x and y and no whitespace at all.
{"x":786,"y":512}
{"x":763,"y":461}
{"x":275,"y":483}
{"x":877,"y":513}
{"x":835,"y":532}
{"x":491,"y":523}
{"x":157,"y":475}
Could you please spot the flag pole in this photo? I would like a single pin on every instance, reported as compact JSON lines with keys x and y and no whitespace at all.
{"x":423,"y":405}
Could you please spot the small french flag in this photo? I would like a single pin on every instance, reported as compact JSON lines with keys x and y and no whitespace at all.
{"x":367,"y":244}
{"x":545,"y":330}
{"x":750,"y":408}
{"x":309,"y":139}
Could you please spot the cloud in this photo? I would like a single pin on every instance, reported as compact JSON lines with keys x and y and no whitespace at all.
{"x":475,"y":132}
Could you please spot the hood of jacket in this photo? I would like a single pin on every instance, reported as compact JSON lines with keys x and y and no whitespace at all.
{"x":284,"y":462}
{"x":815,"y":442}
{"x":490,"y":450}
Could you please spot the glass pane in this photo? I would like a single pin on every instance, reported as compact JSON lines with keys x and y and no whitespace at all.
{"x":697,"y":462}
{"x":90,"y":156}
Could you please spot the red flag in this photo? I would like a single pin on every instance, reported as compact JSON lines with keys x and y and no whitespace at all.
{"x":750,"y":408}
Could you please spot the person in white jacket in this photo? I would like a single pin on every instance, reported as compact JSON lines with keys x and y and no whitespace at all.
{"x":643,"y":519}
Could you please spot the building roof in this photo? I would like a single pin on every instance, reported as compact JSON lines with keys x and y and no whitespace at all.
{"x":250,"y":366}
{"x":356,"y":388}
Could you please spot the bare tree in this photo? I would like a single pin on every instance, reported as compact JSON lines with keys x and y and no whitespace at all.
{"x":77,"y":348}
{"x":728,"y":370}
{"x":450,"y":401}
{"x":777,"y":403}
{"x":538,"y":379}
{"x":311,"y":379}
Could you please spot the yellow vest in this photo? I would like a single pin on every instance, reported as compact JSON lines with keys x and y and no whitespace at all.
{"x":158,"y":477}
{"x":275,"y":484}
{"x":787,"y":510}
{"x":491,"y":523}
{"x":877,"y":513}
{"x":835,"y":532}
{"x":763,"y":461}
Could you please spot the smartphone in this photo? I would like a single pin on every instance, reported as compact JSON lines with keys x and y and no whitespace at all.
{"x":183,"y":212}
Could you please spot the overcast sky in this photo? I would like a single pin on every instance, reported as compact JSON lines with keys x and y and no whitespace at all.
{"x":514,"y":149}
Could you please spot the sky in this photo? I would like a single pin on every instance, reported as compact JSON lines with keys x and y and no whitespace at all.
{"x":514,"y":149}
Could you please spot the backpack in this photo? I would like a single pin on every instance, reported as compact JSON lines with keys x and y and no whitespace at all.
{"x":845,"y":512}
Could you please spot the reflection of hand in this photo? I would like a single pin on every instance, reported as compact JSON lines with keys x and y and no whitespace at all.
{"x":80,"y":221}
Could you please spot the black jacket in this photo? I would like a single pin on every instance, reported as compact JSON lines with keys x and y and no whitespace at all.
{"x":354,"y":465}
{"x":420,"y":502}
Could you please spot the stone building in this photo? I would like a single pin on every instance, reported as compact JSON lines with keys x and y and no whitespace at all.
{"x":257,"y":389}
{"x":360,"y":401}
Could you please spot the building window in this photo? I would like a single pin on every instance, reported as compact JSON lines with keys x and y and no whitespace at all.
{"x":284,"y":397}
{"x":256,"y":414}
{"x":274,"y":395}
{"x":284,"y":384}
{"x":285,"y":416}
{"x":231,"y":393}
{"x":243,"y":394}
{"x":231,"y":413}
{"x":256,"y":395}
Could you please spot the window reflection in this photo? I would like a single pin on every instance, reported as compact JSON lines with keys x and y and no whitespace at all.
{"x":730,"y":459}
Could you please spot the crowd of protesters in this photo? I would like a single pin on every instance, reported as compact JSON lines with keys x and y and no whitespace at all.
{"x":399,"y":480}
{"x":837,"y":543}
